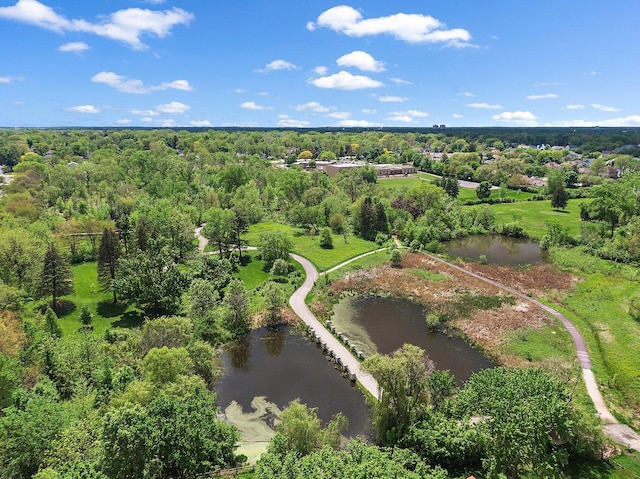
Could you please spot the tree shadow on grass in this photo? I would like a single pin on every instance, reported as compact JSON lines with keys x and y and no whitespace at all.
{"x":246,"y":259}
{"x":62,"y":308}
{"x":107,"y":309}
{"x":130,"y":320}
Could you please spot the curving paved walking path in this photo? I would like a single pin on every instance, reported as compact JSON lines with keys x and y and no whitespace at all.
{"x":620,"y":433}
{"x":297,"y":302}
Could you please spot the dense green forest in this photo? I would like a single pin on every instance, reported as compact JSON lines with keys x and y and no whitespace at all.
{"x":124,"y":386}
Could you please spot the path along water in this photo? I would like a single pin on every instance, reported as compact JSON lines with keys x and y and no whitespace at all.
{"x":619,"y":433}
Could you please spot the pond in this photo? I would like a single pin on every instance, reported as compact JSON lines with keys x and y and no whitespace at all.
{"x":382,"y":325}
{"x":497,"y":249}
{"x":271,"y":368}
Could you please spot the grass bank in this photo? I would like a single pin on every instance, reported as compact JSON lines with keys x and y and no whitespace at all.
{"x":534,"y":215}
{"x":309,"y":246}
{"x":599,"y":307}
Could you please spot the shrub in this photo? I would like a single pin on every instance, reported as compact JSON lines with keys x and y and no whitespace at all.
{"x":326,"y":240}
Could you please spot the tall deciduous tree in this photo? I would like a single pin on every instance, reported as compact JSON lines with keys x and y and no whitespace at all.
{"x":274,"y":245}
{"x":555,"y":188}
{"x":151,"y":281}
{"x":108,"y":256}
{"x":402,"y":378}
{"x":56,"y":278}
{"x":237,"y":298}
{"x":181,"y":438}
{"x":524,"y":412}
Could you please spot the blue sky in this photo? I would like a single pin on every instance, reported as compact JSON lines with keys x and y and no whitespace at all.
{"x":310,"y":64}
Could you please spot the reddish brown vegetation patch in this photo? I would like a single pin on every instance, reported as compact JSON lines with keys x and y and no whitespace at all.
{"x":536,"y":280}
{"x":444,"y":291}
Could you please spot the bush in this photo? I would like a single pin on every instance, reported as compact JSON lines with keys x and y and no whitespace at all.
{"x":280,"y":268}
{"x":326,"y":240}
{"x":396,"y":257}
{"x":513,"y":230}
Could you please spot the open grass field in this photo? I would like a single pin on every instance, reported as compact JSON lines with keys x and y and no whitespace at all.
{"x":87,"y":293}
{"x":396,"y":185}
{"x":309,"y":247}
{"x":534,"y":215}
{"x":599,"y":307}
{"x":470,"y":194}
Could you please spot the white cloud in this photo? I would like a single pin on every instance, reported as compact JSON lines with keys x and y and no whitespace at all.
{"x":361,"y":60}
{"x":146,"y":119}
{"x":314,"y":107}
{"x":124,"y":121}
{"x":262,"y":93}
{"x":457,"y":115}
{"x":321,"y":70}
{"x":400,"y":81}
{"x":200,"y":123}
{"x":83,"y":109}
{"x":10,"y":79}
{"x":600,"y":107}
{"x":485,"y":106}
{"x":369,"y":111}
{"x":392,"y":99}
{"x":346,"y":81}
{"x":285,"y":121}
{"x":277,"y":65}
{"x":144,"y":112}
{"x":339,"y":115}
{"x":542,"y":97}
{"x":574,"y":107}
{"x":238,"y":90}
{"x":548,"y":83}
{"x":174,"y":107}
{"x":402,"y":118}
{"x":632,"y":120}
{"x":516,"y":117}
{"x":407,"y":116}
{"x":251,"y":105}
{"x":166,"y":122}
{"x":74,"y":47}
{"x":411,"y":28}
{"x":132,"y":85}
{"x":467,"y":94}
{"x":127,"y":25}
{"x":412,"y":113}
{"x":356,"y":123}
{"x":595,"y":73}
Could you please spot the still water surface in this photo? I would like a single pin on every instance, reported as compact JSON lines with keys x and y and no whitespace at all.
{"x":382,"y":325}
{"x":497,"y":249}
{"x":272,"y":368}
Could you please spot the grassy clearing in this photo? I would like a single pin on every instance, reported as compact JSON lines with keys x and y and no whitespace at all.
{"x":534,"y":215}
{"x":252,"y":272}
{"x":428,"y":275}
{"x":87,"y":293}
{"x":598,"y":306}
{"x":541,"y":345}
{"x":470,"y":194}
{"x":309,"y":247}
{"x":397,"y":185}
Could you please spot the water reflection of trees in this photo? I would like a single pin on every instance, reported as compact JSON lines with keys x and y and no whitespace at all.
{"x":274,"y":340}
{"x":239,"y":352}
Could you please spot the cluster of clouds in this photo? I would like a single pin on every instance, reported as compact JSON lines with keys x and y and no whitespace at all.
{"x":356,"y":70}
{"x":410,"y":28}
{"x":127,"y":26}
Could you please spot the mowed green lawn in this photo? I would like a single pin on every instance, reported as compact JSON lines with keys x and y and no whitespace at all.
{"x":470,"y":194}
{"x":398,"y":184}
{"x":309,"y":247}
{"x":534,"y":215}
{"x":87,"y":293}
